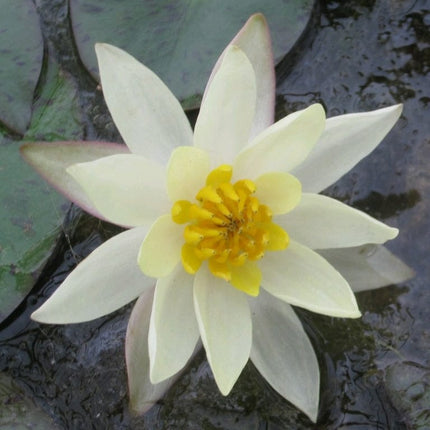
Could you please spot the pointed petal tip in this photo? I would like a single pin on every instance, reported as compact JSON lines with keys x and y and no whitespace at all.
{"x":391,"y":113}
{"x":354,"y":315}
{"x":224,"y":389}
{"x":257,"y":16}
{"x":310,"y":410}
{"x":316,"y":115}
{"x":26,"y":151}
{"x":50,"y":315}
{"x":42,"y":316}
{"x":139,"y":408}
{"x":394,"y":232}
{"x":389,"y":233}
{"x":24,"y":148}
{"x":106,"y":52}
{"x":225,"y":385}
{"x":352,"y":311}
{"x":154,"y":377}
{"x":257,"y":19}
{"x":158,"y":376}
{"x":35,"y":316}
{"x":100,"y":47}
{"x":398,"y":108}
{"x":233,"y":50}
{"x":313,"y":415}
{"x":103,"y":49}
{"x":317,"y":107}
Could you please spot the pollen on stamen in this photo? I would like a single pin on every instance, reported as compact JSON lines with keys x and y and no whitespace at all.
{"x":229,"y":228}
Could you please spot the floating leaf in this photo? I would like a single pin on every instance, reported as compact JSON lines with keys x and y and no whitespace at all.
{"x":56,"y":112}
{"x":180,"y":40}
{"x":21,"y":51}
{"x":31,"y":212}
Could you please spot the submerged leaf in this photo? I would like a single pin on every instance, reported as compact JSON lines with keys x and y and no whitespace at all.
{"x":19,"y":411}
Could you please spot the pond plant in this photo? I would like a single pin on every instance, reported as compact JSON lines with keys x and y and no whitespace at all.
{"x":226,"y":228}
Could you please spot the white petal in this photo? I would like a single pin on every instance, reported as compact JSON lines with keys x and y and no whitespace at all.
{"x":126,"y":189}
{"x":345,"y":141}
{"x":320,"y":222}
{"x":303,"y":278}
{"x":226,"y":115}
{"x":148,"y":116}
{"x":186,"y":172}
{"x":161,"y":249}
{"x":283,"y":354}
{"x":106,"y":280}
{"x":368,"y":267}
{"x":143,"y":394}
{"x":224,"y":321}
{"x":173,"y":331}
{"x":254,"y":40}
{"x":282,"y":146}
{"x":51,"y":159}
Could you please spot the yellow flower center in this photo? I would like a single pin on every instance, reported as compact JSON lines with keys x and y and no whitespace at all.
{"x":229,"y":228}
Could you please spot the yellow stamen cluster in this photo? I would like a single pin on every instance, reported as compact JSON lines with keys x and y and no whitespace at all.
{"x":229,"y":228}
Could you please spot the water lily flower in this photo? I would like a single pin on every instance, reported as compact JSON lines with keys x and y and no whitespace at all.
{"x":226,"y":221}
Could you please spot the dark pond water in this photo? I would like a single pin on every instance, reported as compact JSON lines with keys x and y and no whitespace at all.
{"x":355,"y":56}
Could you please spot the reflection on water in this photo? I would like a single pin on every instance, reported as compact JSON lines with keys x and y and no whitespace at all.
{"x":357,"y":56}
{"x":384,"y":207}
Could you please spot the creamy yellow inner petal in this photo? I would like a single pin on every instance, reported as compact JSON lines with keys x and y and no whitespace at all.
{"x":229,"y":228}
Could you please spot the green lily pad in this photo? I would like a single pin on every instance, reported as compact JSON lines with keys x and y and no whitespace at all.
{"x":181,"y":40}
{"x":18,"y":412}
{"x":31,"y":211}
{"x":30,"y":216}
{"x":56,"y":113}
{"x":21,"y":53}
